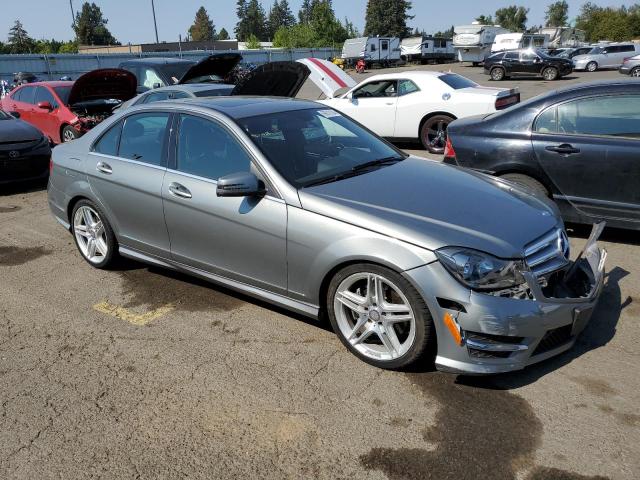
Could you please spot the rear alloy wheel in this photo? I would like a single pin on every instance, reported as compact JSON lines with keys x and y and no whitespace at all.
{"x":93,"y":234}
{"x":497,"y":74}
{"x":69,"y":133}
{"x":527,"y":182}
{"x":433,"y":133}
{"x":635,"y":72}
{"x":550,"y":73}
{"x":379,"y":316}
{"x":592,"y":67}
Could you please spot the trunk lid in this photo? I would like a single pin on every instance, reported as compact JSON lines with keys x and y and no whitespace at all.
{"x":327,"y":76}
{"x":219,"y":64}
{"x":276,"y":79}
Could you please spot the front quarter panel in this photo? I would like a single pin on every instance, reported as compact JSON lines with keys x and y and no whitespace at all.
{"x":317,"y":246}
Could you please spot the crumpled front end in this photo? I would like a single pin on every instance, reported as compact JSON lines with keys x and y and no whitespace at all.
{"x":500,"y":331}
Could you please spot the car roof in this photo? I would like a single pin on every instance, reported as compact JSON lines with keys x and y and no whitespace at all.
{"x":156,"y":61}
{"x":50,"y":83}
{"x":240,"y":106}
{"x":409,"y":74}
{"x":193,"y":87}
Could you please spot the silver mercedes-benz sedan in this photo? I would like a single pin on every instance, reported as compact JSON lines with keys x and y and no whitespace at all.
{"x":294,"y":203}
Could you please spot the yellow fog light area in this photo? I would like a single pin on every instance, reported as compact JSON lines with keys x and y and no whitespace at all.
{"x":452,"y":326}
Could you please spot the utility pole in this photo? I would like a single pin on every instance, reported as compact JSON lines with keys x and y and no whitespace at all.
{"x":155,"y":24}
{"x":73,"y":15}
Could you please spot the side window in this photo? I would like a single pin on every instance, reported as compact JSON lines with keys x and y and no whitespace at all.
{"x":178,"y":94}
{"x":44,"y":95}
{"x":382,"y":88}
{"x":156,"y":97}
{"x":17,"y":95}
{"x":150,"y":78}
{"x":373,"y":47}
{"x":108,"y":143}
{"x":617,"y":116}
{"x":28,"y":94}
{"x":528,"y":56}
{"x":207,"y":149}
{"x":143,"y":137}
{"x":627,"y":48}
{"x":546,"y":121}
{"x":406,"y":87}
{"x":511,"y":56}
{"x":384,"y":45}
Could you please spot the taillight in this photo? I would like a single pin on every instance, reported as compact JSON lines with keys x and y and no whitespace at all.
{"x":504,"y":102}
{"x":449,"y":152}
{"x":626,"y":60}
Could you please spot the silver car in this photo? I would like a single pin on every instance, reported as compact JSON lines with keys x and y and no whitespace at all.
{"x":606,"y":56}
{"x":294,"y":203}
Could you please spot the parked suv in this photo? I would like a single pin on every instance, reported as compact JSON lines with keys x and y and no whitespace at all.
{"x":526,"y":62}
{"x":608,"y":56}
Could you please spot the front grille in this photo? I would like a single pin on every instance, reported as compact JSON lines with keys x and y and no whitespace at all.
{"x":548,"y":253}
{"x":553,"y":339}
{"x":494,"y":339}
{"x":489,"y":340}
{"x":475,"y":353}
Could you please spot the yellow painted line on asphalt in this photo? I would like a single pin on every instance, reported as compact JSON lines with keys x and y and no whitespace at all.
{"x":134,"y":318}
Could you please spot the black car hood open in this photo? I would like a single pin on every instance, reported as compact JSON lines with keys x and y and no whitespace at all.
{"x":103,"y":84}
{"x":275,"y":79}
{"x":219,"y":64}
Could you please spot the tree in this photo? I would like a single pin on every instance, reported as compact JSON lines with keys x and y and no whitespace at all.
{"x":387,"y":18}
{"x":485,"y":19}
{"x":616,"y":24}
{"x":253,"y":43}
{"x":301,"y":35}
{"x":513,"y":18}
{"x":223,"y":35}
{"x":202,"y":29}
{"x":251,"y":20}
{"x":350,"y":29}
{"x":304,"y":14}
{"x":446,"y":34}
{"x":328,"y":30}
{"x":68,"y":47}
{"x":280,"y":15}
{"x":91,"y":27}
{"x":557,"y":14}
{"x":19,"y":40}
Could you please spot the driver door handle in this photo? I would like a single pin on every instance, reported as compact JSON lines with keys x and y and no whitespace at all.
{"x":179,"y":190}
{"x":104,"y":168}
{"x":564,"y":149}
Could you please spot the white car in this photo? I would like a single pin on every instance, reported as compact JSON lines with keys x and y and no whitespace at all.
{"x":408,"y":105}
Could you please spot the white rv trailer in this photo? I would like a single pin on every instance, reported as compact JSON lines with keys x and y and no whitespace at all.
{"x":411,"y":49}
{"x":564,"y":36}
{"x":473,"y":42}
{"x":427,"y":49}
{"x":380,"y":50}
{"x":514,"y":41}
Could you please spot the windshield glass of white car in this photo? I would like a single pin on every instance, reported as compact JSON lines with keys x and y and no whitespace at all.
{"x":315,"y":146}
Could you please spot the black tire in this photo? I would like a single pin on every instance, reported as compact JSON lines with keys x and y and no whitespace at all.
{"x":430,"y":135}
{"x":527,"y":182}
{"x":425,"y":336}
{"x":112,"y":243}
{"x":69,"y":133}
{"x":497,"y":74}
{"x":635,"y":72}
{"x":550,"y":74}
{"x":591,"y":67}
{"x":475,"y":64}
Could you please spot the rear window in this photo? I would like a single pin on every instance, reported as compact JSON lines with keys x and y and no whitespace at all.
{"x":214,"y":92}
{"x":456,"y":81}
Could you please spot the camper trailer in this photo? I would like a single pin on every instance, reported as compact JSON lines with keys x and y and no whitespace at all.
{"x":375,"y":50}
{"x":564,"y":36}
{"x":473,"y":43}
{"x":515,"y":41}
{"x":427,"y":49}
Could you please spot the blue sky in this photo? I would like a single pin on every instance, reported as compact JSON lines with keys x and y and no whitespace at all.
{"x":131,"y":21}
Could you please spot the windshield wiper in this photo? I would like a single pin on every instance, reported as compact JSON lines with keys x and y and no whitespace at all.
{"x":375,"y":163}
{"x":331,"y":179}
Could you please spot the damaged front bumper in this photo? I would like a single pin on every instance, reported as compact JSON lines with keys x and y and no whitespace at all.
{"x":507,"y":333}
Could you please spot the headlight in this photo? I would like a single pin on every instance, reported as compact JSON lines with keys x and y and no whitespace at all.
{"x":479,"y":270}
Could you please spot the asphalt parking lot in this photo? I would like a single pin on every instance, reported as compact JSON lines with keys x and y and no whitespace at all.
{"x":143,"y":373}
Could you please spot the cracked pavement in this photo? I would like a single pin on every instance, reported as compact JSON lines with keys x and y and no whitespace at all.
{"x":222,"y":386}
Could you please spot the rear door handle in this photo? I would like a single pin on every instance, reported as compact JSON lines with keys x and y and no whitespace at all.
{"x":104,"y":168}
{"x":179,"y":190}
{"x":564,"y":149}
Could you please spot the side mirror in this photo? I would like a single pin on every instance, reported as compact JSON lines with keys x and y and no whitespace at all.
{"x":45,"y":106}
{"x":244,"y":184}
{"x":15,"y":114}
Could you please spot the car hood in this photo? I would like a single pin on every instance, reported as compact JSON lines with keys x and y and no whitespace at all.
{"x":15,"y":131}
{"x":274,"y":79}
{"x":432,"y":205}
{"x":219,"y":64}
{"x":104,"y":84}
{"x":327,"y":76}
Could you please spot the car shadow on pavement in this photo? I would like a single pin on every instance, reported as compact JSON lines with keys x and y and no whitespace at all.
{"x":610,"y":234}
{"x":599,"y":332}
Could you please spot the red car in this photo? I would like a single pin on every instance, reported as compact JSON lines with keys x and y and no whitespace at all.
{"x":64,"y":111}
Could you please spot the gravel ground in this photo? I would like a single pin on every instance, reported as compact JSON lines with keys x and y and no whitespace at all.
{"x":143,"y":373}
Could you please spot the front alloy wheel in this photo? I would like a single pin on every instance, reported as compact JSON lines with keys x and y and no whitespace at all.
{"x":635,"y":72}
{"x":497,"y":74}
{"x":93,"y":235}
{"x":433,"y":134}
{"x":379,"y":316}
{"x":592,"y":67}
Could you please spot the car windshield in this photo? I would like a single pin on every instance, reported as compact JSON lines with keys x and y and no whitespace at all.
{"x":63,"y":94}
{"x":314,"y":146}
{"x":456,"y":81}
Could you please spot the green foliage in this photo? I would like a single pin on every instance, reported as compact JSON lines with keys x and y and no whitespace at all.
{"x":19,"y":40}
{"x":69,"y":47}
{"x":485,"y":19}
{"x":202,"y":29}
{"x":446,"y":34}
{"x":298,"y":36}
{"x":251,"y":20}
{"x":253,"y":42}
{"x":322,"y":29}
{"x":91,"y":27}
{"x":513,"y":18}
{"x":557,"y":14}
{"x":610,"y":23}
{"x":387,"y":18}
{"x":223,"y":35}
{"x":304,"y":14}
{"x":280,"y":15}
